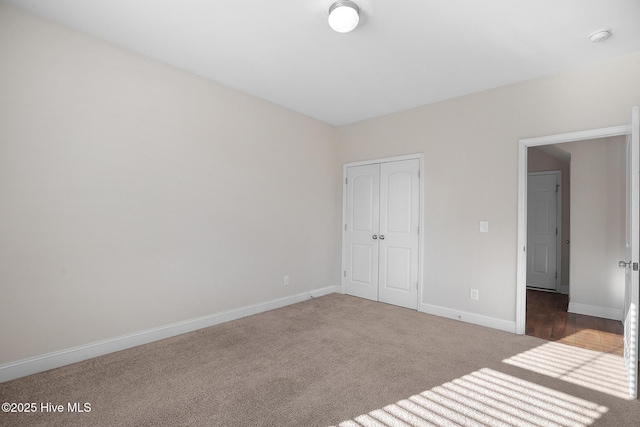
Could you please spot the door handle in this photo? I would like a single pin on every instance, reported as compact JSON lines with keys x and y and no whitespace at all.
{"x":621,"y":264}
{"x":374,"y":237}
{"x":382,"y":237}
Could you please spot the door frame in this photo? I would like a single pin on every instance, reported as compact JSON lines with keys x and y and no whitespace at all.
{"x":558,"y":174}
{"x":418,"y":156}
{"x":524,"y":144}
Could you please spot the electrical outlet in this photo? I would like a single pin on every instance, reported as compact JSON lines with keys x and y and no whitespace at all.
{"x":475,"y":294}
{"x":286,"y":280}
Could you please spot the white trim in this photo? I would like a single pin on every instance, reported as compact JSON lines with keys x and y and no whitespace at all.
{"x":383,"y":160}
{"x":60,"y":358}
{"x":563,"y":289}
{"x":323,"y":291}
{"x":420,"y":157}
{"x":523,"y":145}
{"x":577,"y":136}
{"x":476,"y":319}
{"x":421,"y":233}
{"x":593,"y":310}
{"x":559,"y":232}
{"x":521,"y":267}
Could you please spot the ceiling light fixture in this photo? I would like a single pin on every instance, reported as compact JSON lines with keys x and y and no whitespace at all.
{"x":600,"y":35}
{"x":344,"y":16}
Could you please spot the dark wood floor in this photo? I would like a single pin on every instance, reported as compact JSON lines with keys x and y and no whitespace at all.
{"x":547,"y":318}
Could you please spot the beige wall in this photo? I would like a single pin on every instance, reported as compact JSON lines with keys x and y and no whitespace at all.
{"x":135,"y":195}
{"x":539,"y":161}
{"x":470,"y":146}
{"x":597,"y":222}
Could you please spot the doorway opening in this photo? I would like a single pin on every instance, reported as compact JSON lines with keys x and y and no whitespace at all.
{"x":583,"y":299}
{"x":591,"y":174}
{"x":586,"y":201}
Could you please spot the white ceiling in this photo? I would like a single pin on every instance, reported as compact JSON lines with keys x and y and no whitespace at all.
{"x":404,"y":53}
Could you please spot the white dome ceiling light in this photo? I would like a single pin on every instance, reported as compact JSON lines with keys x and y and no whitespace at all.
{"x":344,"y":16}
{"x":600,"y":35}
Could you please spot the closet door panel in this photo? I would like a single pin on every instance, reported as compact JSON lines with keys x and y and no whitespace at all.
{"x":363,"y":221}
{"x":399,"y":233}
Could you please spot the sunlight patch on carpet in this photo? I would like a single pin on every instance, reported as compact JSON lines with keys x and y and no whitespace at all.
{"x":484,"y":398}
{"x":598,"y":371}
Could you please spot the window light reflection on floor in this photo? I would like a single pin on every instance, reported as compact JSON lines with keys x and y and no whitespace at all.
{"x":485,"y":398}
{"x":631,"y":347}
{"x":603,"y":372}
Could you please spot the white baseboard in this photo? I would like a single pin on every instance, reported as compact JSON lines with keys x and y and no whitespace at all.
{"x":593,"y":310}
{"x":326,"y":291}
{"x":476,"y":319}
{"x":32,"y":365}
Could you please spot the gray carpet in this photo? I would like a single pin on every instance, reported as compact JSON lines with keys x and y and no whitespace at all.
{"x":334,"y":360}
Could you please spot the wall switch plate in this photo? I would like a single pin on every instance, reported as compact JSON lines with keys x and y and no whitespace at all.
{"x":475,"y":295}
{"x":286,"y":280}
{"x":484,"y":226}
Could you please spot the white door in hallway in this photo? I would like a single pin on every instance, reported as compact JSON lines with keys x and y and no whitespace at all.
{"x":542,"y":229}
{"x":382,"y":232}
{"x":632,"y":253}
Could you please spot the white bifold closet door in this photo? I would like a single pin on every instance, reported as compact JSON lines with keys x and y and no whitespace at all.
{"x":382,"y":232}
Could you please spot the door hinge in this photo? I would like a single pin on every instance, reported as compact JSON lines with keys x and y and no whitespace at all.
{"x":344,"y":274}
{"x":345,"y":227}
{"x":345,"y":181}
{"x":557,"y":186}
{"x":635,"y":266}
{"x":556,"y":274}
